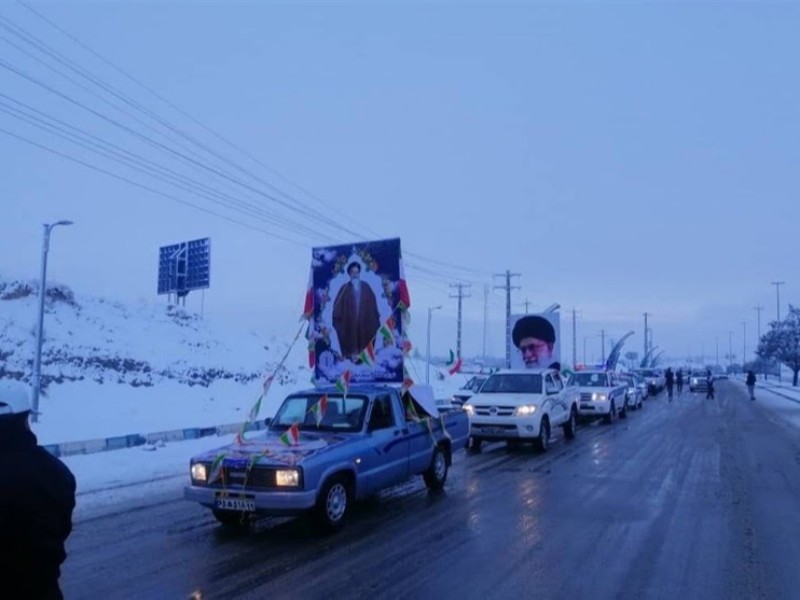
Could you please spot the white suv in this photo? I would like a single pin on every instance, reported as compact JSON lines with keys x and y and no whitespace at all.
{"x":522,"y":405}
{"x":601,"y":395}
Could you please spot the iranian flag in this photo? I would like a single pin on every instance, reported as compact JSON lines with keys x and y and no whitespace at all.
{"x":407,"y":346}
{"x":216,"y":468}
{"x":387,"y":331}
{"x":453,"y":365}
{"x":367,"y":355}
{"x":291,"y":437}
{"x":267,"y":384}
{"x":256,"y":409}
{"x":343,"y":384}
{"x":319,"y":409}
{"x":308,"y":305}
{"x":404,"y":299}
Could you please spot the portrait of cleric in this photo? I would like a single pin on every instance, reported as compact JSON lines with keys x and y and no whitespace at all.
{"x":536,"y":340}
{"x":356,"y":318}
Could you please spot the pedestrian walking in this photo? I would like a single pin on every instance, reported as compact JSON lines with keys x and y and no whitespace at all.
{"x":751,"y":384}
{"x":37,"y":497}
{"x":679,"y":379}
{"x":709,"y":386}
{"x":670,"y":381}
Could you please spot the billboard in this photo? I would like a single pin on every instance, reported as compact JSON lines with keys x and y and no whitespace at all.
{"x":184,"y":267}
{"x":536,"y":340}
{"x":356,"y":322}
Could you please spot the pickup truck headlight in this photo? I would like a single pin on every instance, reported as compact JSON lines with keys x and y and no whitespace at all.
{"x":199,"y":472}
{"x":525,"y":411}
{"x":287,"y":478}
{"x":599,"y":397}
{"x":470,"y":410}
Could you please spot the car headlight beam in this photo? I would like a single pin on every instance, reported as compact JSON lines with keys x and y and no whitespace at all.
{"x":287,"y":478}
{"x":199,"y":472}
{"x":525,"y":410}
{"x":470,"y":410}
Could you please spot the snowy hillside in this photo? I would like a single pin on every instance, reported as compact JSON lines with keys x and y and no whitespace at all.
{"x":114,"y":369}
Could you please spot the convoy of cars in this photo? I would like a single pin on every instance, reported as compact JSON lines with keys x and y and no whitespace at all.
{"x":326,"y":448}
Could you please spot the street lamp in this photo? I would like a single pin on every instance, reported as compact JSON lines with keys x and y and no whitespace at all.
{"x":37,"y":363}
{"x":551,"y":309}
{"x":428,"y":363}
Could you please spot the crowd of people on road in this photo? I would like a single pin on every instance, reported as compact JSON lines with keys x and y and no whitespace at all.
{"x":672,"y":378}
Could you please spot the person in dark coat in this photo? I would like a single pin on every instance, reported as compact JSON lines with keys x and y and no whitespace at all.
{"x":355,"y":314}
{"x":669,"y":377}
{"x":679,"y":379}
{"x":709,"y":385}
{"x":751,"y":384}
{"x":37,"y":497}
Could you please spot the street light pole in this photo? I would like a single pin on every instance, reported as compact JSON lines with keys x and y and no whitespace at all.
{"x":744,"y":343}
{"x":778,"y":285}
{"x":730,"y":348}
{"x":37,"y":362}
{"x":428,"y":362}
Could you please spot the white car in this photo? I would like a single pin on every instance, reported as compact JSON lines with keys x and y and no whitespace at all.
{"x":636,"y":390}
{"x":601,"y":395}
{"x":522,"y":405}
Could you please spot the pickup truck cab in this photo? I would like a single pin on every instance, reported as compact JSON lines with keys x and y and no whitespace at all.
{"x":522,"y":405}
{"x":323,"y":450}
{"x":602,"y":394}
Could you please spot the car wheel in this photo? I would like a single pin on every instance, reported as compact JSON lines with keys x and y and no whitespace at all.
{"x":571,"y":426}
{"x":232,"y":519}
{"x":543,"y":441}
{"x":436,"y":474}
{"x":623,"y":414}
{"x":609,"y":418}
{"x":332,"y":505}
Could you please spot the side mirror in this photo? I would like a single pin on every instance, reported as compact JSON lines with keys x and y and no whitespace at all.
{"x":268,"y":421}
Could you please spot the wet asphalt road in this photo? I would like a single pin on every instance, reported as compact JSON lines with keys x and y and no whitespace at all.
{"x":694,"y":499}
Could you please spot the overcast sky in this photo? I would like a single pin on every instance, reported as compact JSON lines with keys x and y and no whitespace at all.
{"x":622,"y":157}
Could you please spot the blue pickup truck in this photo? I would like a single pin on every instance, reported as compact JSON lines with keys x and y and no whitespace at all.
{"x":323,"y":450}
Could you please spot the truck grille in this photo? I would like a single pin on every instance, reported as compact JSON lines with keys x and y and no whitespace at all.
{"x":259,"y":478}
{"x":500,"y":411}
{"x":586,"y":396}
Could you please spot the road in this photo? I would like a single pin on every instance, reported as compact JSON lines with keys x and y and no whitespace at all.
{"x":696,"y":499}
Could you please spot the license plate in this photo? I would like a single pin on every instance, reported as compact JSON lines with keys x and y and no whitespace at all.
{"x":587,"y":407}
{"x":240,"y":504}
{"x":492,"y":430}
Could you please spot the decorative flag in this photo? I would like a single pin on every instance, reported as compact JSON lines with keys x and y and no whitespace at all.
{"x":367,"y":355}
{"x":407,"y":383}
{"x":452,"y":360}
{"x":308,"y":306}
{"x":343,"y":384}
{"x":455,"y":368}
{"x":319,"y":408}
{"x":407,"y":346}
{"x":404,"y":300}
{"x":291,"y":437}
{"x":268,"y":384}
{"x":386,"y":331}
{"x":312,"y":354}
{"x":240,"y":435}
{"x":255,"y":410}
{"x":216,"y":468}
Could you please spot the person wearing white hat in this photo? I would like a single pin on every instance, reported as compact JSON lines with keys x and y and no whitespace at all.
{"x":37,"y":497}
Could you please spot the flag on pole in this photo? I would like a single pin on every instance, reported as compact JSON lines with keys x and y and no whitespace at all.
{"x":455,"y":368}
{"x":319,"y":408}
{"x":256,"y":409}
{"x":291,"y":437}
{"x":343,"y":384}
{"x":367,"y":355}
{"x":216,"y":468}
{"x":387,"y":332}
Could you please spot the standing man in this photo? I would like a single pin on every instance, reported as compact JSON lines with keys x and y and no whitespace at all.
{"x":751,"y":384}
{"x":709,"y":385}
{"x":535,"y":338}
{"x":37,"y":497}
{"x":355,"y":314}
{"x":669,"y":376}
{"x":679,"y":379}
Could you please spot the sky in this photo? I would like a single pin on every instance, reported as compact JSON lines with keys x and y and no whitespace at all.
{"x":621,"y":157}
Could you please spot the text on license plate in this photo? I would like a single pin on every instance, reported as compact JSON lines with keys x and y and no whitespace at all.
{"x":492,"y":430}
{"x":242,"y":504}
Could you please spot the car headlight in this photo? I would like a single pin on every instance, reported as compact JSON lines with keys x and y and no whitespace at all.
{"x":599,"y":397}
{"x":199,"y":472}
{"x":469,"y":409}
{"x":287,"y":478}
{"x":525,"y":411}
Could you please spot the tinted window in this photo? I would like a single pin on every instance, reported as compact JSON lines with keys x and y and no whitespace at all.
{"x":381,"y":416}
{"x":590,"y":379}
{"x":339,"y":414}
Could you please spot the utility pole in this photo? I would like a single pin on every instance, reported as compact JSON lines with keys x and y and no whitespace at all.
{"x":527,"y":306}
{"x":460,"y":295}
{"x":603,"y":345}
{"x":744,"y":342}
{"x":485,"y":317}
{"x":730,"y":348}
{"x":574,"y":338}
{"x":778,"y":285}
{"x":645,"y":333}
{"x":758,"y":310}
{"x":717,"y":340}
{"x":508,"y":275}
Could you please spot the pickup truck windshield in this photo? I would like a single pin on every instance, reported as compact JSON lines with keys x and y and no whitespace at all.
{"x":513,"y":384}
{"x":474,"y":384}
{"x":312,"y":414}
{"x":590,"y":379}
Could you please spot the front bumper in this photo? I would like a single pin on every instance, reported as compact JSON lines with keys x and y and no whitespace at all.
{"x":268,"y":503}
{"x":505,"y":428}
{"x":589,"y":408}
